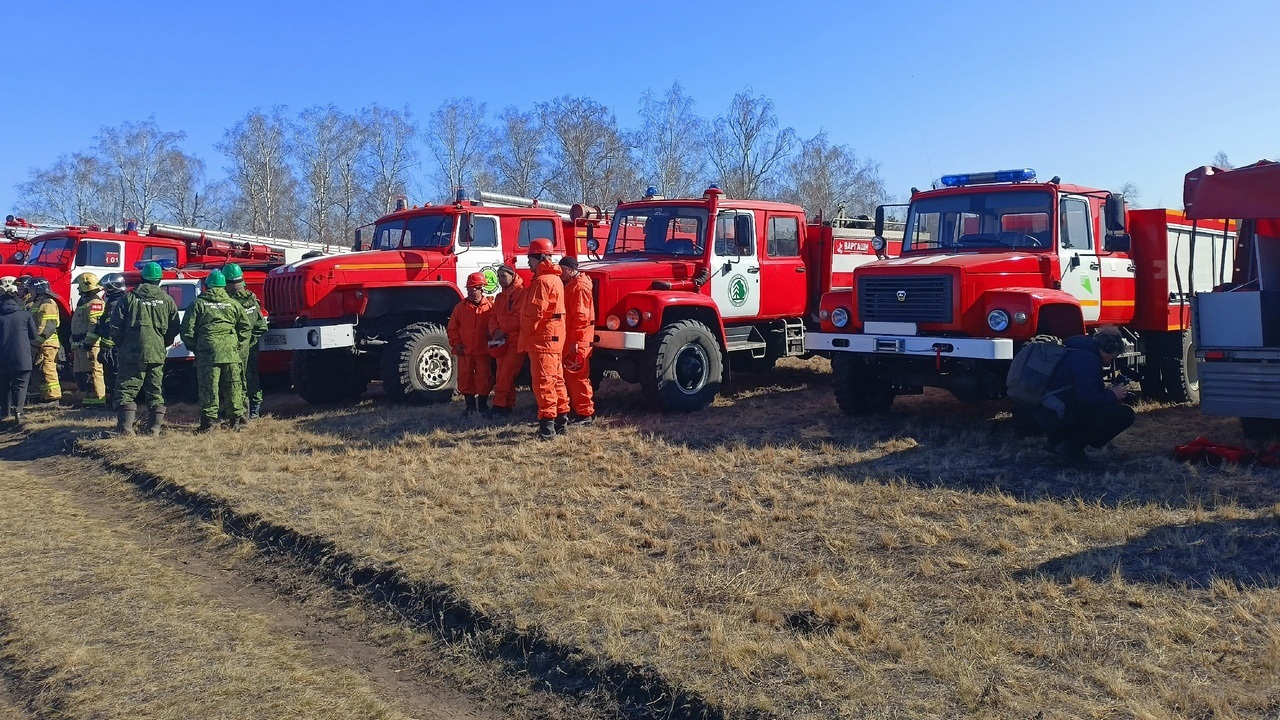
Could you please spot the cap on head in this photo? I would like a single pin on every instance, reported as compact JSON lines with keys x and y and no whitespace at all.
{"x":87,"y":282}
{"x":541,"y":246}
{"x":151,"y":272}
{"x":507,"y":269}
{"x":232,"y":272}
{"x":1109,"y":340}
{"x":216,"y":280}
{"x":475,"y":280}
{"x":569,"y":262}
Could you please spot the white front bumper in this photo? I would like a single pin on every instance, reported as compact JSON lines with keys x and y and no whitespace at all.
{"x":911,"y":345}
{"x":318,"y":337}
{"x":619,"y":340}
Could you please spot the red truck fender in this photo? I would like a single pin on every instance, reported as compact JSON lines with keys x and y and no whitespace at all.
{"x":1046,"y":311}
{"x":661,"y":307}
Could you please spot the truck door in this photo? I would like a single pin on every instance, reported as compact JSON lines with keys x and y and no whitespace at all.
{"x":783,"y":274}
{"x":735,"y":268}
{"x":483,"y":254}
{"x":98,"y":257}
{"x":1081,"y":269}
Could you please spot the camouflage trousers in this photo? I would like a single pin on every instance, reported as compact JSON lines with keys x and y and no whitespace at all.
{"x":135,"y":380}
{"x":220,"y":389}
{"x":252,"y":383}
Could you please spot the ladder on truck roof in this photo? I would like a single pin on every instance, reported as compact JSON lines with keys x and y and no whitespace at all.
{"x":292,"y":250}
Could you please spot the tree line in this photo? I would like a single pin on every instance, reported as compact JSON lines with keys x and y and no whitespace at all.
{"x":320,"y":173}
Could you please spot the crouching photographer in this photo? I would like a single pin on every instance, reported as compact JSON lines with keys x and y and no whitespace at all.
{"x":1080,"y":410}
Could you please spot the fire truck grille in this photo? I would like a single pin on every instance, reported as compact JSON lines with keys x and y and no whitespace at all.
{"x":284,"y":294}
{"x":919,"y":299}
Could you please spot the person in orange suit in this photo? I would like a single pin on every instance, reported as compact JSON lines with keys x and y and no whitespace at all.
{"x":542,"y":336}
{"x":468,"y":334}
{"x":504,"y":330}
{"x":580,"y":331}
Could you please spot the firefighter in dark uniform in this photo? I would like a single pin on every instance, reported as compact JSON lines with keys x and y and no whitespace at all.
{"x":113,"y":284}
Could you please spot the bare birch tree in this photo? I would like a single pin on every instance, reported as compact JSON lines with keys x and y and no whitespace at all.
{"x":746,"y":148}
{"x":1132,"y":194}
{"x":260,"y":173}
{"x":189,"y":198}
{"x":518,"y":163}
{"x":458,"y":139}
{"x":75,"y":190}
{"x":671,"y":142}
{"x":325,"y":145}
{"x":388,"y":155}
{"x":591,"y":157}
{"x":823,"y":178}
{"x":140,"y":157}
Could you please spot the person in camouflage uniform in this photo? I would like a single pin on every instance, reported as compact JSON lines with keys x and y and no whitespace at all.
{"x":101,"y":334}
{"x":143,"y":326}
{"x":215,"y":329}
{"x":257,"y":328}
{"x":87,"y":368}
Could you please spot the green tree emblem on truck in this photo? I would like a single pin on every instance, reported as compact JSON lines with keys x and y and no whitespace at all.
{"x":738,"y":290}
{"x":491,"y":286}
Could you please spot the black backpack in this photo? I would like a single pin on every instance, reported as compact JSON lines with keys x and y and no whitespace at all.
{"x":1028,"y":380}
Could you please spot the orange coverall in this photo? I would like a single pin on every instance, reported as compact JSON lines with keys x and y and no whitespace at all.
{"x":506,"y":317}
{"x":542,"y":336}
{"x":580,"y":328}
{"x":469,"y":331}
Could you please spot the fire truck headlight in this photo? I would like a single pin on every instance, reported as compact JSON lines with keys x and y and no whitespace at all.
{"x":823,"y":314}
{"x":840,"y":317}
{"x":1020,"y":318}
{"x":998,"y":320}
{"x":612,"y":322}
{"x":633,"y":317}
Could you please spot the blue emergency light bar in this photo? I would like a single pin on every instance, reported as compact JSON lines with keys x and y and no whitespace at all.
{"x":165,"y":264}
{"x":1022,"y":175}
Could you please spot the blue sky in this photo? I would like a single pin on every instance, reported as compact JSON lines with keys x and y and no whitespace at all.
{"x":1099,"y":93}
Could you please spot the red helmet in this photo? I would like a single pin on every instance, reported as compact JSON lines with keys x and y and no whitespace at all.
{"x":541,"y":246}
{"x":497,"y":348}
{"x":475,"y":280}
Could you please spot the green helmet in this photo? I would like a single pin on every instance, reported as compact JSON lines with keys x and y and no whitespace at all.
{"x":216,"y":280}
{"x":152,"y":273}
{"x":233,"y":272}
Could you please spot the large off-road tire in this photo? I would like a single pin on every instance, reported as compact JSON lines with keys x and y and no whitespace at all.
{"x":418,"y":366}
{"x":323,"y":377}
{"x":859,"y":389}
{"x":685,"y":367}
{"x":1171,"y":372}
{"x":1260,"y":428}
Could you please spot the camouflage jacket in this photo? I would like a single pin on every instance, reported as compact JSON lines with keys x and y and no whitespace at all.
{"x":215,"y":328}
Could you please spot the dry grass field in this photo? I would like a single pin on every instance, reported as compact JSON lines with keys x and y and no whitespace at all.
{"x":777,"y":559}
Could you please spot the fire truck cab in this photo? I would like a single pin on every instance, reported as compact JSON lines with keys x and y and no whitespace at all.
{"x":990,"y":260}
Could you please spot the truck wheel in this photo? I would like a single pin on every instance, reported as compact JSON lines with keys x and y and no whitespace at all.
{"x":1179,"y":369}
{"x":1259,"y":428}
{"x":859,"y":390}
{"x":687,"y":367}
{"x":418,"y":365}
{"x":322,"y":377}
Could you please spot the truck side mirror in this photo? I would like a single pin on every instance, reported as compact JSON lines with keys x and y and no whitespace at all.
{"x":1113,"y":212}
{"x":742,"y":229}
{"x":1120,"y":242}
{"x":879,"y":229}
{"x":358,"y":245}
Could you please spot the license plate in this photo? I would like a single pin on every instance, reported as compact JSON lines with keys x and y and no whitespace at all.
{"x":274,"y":340}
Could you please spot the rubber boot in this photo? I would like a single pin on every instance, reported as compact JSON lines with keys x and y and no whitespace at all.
{"x":17,"y":420}
{"x":206,"y":424}
{"x":471,"y":404}
{"x":125,"y":418}
{"x":562,"y":424}
{"x":482,"y":404}
{"x":546,"y":429}
{"x":157,"y":419}
{"x":255,"y":410}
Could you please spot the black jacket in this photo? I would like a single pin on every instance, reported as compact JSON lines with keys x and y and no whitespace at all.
{"x":17,"y":333}
{"x":1081,"y":372}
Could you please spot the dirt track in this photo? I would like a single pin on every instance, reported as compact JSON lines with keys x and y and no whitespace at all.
{"x":161,"y":550}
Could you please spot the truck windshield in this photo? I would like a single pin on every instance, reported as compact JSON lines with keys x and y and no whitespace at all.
{"x":666,"y":230}
{"x":422,"y":231}
{"x":979,"y":220}
{"x":54,"y":251}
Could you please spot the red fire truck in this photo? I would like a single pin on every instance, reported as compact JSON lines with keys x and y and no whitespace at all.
{"x":381,"y":313}
{"x":17,"y":238}
{"x":990,"y":260}
{"x":683,"y":285}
